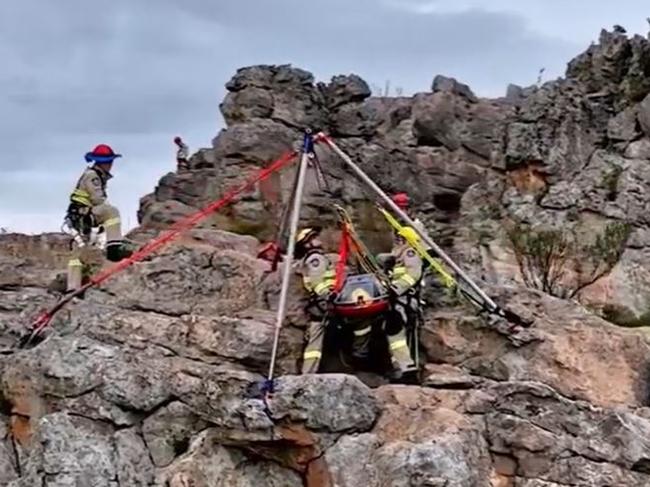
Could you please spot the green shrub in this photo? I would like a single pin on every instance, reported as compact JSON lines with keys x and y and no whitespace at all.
{"x":556,"y":261}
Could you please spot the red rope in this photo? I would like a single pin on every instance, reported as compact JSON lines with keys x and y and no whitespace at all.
{"x":344,"y":248}
{"x":181,"y":226}
{"x":174,"y":231}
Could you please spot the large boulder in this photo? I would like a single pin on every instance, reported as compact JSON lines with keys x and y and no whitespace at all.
{"x":566,"y":349}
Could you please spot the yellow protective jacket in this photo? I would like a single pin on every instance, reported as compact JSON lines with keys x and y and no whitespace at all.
{"x":407,"y":272}
{"x":318,"y":273}
{"x":91,"y":188}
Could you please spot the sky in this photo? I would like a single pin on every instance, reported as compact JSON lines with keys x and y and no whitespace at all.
{"x":135,"y":73}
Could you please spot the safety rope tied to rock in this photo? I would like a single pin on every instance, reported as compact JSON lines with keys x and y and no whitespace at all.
{"x":45,"y":318}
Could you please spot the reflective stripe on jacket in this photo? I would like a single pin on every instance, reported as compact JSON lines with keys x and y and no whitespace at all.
{"x":408,"y":269}
{"x":318,"y":274}
{"x":91,"y":188}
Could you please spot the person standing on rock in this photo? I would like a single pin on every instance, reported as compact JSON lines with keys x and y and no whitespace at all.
{"x":182,"y":155}
{"x":89,"y":208}
{"x":318,"y":278}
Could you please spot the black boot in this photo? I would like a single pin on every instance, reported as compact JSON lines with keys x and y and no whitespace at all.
{"x":116,"y":251}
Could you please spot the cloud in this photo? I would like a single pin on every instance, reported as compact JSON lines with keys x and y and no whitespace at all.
{"x":134,"y":74}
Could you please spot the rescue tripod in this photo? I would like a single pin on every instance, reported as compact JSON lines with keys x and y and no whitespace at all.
{"x":477,"y":296}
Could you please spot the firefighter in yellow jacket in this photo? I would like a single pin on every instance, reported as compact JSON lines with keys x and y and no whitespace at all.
{"x":405,"y":277}
{"x":318,"y":278}
{"x":89,"y":208}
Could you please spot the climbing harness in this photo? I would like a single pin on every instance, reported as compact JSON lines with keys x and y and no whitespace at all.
{"x":44,"y":319}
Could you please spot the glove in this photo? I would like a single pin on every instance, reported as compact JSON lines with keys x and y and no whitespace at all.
{"x":389,"y":263}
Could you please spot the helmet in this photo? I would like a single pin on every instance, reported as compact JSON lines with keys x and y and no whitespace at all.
{"x":304,"y":236}
{"x":409,"y":234}
{"x":307,"y":233}
{"x":401,"y":199}
{"x":177,"y":140}
{"x":101,"y":153}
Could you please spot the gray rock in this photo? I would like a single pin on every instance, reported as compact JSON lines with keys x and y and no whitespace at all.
{"x":245,"y":340}
{"x":7,"y":457}
{"x":133,"y":463}
{"x":167,"y":432}
{"x":639,"y":149}
{"x":514,"y":93}
{"x":540,"y":440}
{"x":452,"y":460}
{"x":345,"y":89}
{"x":258,"y":142}
{"x":247,"y":104}
{"x":76,"y":448}
{"x":253,"y":76}
{"x":210,"y":465}
{"x":523,"y":143}
{"x":136,"y":384}
{"x":562,"y":196}
{"x":194,"y":280}
{"x":355,"y":120}
{"x":623,"y":126}
{"x":602,"y":66}
{"x":644,"y":115}
{"x":350,"y":461}
{"x":222,"y":397}
{"x":67,"y":367}
{"x":333,"y":402}
{"x":435,"y":120}
{"x":450,"y":85}
{"x":96,"y":407}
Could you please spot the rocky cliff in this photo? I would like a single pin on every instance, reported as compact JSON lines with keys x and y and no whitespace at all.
{"x":153,"y":379}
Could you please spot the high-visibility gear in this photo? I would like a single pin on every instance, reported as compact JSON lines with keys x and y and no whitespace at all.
{"x":409,"y":234}
{"x":399,"y":351}
{"x":407,"y":271}
{"x":311,"y":357}
{"x":446,"y":278}
{"x":89,"y":197}
{"x":91,"y":187}
{"x":318,"y":278}
{"x":318,"y":273}
{"x":101,"y":154}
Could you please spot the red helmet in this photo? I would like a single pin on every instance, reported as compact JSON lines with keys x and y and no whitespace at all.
{"x":177,"y":140}
{"x":402,"y":200}
{"x":102,"y":153}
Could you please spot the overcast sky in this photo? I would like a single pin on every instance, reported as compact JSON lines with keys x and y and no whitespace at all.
{"x":134,"y":73}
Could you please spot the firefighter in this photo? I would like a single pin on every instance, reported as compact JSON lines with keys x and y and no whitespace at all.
{"x":89,"y":209}
{"x":318,"y":278}
{"x":182,"y":155}
{"x":403,"y":202}
{"x":405,"y":273}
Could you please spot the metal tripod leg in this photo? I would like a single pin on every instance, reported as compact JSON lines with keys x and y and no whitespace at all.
{"x":293,"y":229}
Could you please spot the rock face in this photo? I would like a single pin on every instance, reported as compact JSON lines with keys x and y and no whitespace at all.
{"x":155,"y":379}
{"x":569,"y":153}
